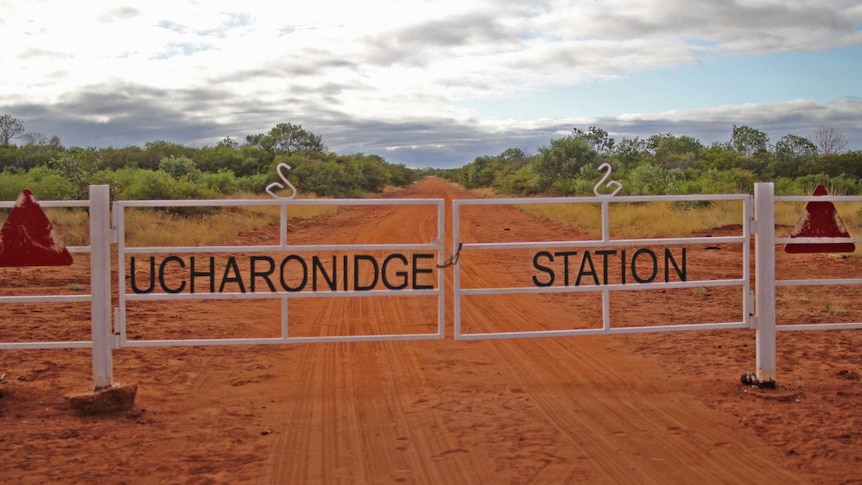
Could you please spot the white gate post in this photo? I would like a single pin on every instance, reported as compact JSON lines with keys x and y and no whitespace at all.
{"x":764,"y":244}
{"x":100,"y":284}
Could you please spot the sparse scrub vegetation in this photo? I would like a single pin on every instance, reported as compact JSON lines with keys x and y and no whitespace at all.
{"x":667,"y":164}
{"x":661,"y":164}
{"x":164,"y":171}
{"x":144,"y":226}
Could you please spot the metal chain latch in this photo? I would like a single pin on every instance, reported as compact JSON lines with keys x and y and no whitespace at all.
{"x":452,"y":260}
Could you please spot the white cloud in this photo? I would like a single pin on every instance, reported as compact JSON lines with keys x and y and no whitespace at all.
{"x":245,"y":66}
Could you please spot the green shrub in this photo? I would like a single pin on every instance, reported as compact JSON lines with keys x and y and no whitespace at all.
{"x":12,"y":182}
{"x":223,"y":182}
{"x":180,"y":168}
{"x":148,"y":185}
{"x":45,"y":183}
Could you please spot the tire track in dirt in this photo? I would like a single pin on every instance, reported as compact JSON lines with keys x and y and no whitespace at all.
{"x":603,"y":396}
{"x":519,"y":411}
{"x":352,"y":420}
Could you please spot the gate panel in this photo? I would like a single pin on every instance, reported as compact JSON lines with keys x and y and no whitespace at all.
{"x":271,"y":267}
{"x":596,"y":254}
{"x":77,"y":297}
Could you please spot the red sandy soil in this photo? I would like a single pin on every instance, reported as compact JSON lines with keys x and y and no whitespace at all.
{"x":637,"y":408}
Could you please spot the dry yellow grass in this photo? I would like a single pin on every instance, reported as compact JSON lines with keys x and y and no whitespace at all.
{"x":652,"y":219}
{"x":148,"y":227}
{"x":659,"y":219}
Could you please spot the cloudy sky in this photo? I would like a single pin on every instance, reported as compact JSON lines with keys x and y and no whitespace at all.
{"x":429,"y":83}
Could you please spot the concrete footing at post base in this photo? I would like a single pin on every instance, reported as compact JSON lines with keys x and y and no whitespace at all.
{"x":750,"y":379}
{"x":104,"y":401}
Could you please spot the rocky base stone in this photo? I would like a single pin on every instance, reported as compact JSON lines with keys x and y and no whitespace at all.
{"x":104,"y":401}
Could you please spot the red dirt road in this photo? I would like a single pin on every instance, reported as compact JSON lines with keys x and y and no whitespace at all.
{"x":645,"y":408}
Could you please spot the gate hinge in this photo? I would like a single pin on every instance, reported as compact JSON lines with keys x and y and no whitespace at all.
{"x":114,"y":236}
{"x":753,"y":225}
{"x":753,"y":321}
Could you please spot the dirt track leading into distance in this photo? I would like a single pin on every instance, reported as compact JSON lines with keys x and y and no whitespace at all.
{"x":645,"y":408}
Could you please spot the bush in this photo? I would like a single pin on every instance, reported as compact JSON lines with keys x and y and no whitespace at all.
{"x":149,"y":185}
{"x":12,"y":182}
{"x":732,"y":181}
{"x":180,"y":168}
{"x":650,"y":179}
{"x":223,"y":182}
{"x":45,"y":183}
{"x":522,"y":182}
{"x":255,"y":184}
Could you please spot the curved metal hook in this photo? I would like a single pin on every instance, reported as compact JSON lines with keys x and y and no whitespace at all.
{"x":278,"y":185}
{"x":613,"y":183}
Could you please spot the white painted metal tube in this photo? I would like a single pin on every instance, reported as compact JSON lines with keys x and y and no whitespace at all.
{"x":69,"y":344}
{"x":100,"y":284}
{"x":603,"y":331}
{"x":590,"y":243}
{"x":764,"y":247}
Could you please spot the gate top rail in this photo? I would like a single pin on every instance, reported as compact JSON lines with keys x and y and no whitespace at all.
{"x":818,"y":198}
{"x":8,"y":204}
{"x":270,"y":202}
{"x":593,"y":200}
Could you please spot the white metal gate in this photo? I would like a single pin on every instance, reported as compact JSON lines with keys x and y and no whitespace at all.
{"x":124,"y":251}
{"x":606,"y":289}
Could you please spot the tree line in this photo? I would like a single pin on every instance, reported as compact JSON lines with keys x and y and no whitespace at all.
{"x":165,"y":170}
{"x":670,"y":164}
{"x":663,"y":163}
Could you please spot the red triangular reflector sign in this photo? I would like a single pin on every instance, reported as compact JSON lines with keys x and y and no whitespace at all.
{"x":820,"y":219}
{"x":26,"y":239}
